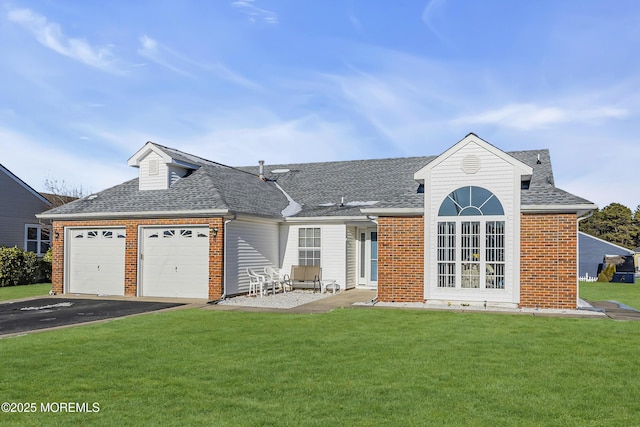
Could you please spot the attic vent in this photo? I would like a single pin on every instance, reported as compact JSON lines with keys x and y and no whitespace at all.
{"x":470,"y":164}
{"x":153,"y":167}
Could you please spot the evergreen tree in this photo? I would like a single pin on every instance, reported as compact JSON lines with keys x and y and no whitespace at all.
{"x":616,"y":224}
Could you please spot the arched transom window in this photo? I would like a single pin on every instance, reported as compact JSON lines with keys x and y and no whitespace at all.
{"x":471,"y":240}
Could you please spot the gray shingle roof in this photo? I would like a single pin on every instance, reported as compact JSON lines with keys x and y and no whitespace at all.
{"x":211,"y":187}
{"x":318,"y":187}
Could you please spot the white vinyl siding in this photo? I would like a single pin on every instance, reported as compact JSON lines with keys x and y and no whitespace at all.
{"x":153,"y":173}
{"x":249,"y":244}
{"x":333,"y":249}
{"x":501,"y":178}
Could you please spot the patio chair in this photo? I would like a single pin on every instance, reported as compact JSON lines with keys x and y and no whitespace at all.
{"x":273,"y":277}
{"x":256,"y":283}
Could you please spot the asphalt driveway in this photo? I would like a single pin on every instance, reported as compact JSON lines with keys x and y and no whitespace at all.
{"x":42,"y":313}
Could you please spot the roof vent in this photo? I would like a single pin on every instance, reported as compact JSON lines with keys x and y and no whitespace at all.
{"x":261,"y":169}
{"x":538,"y":162}
{"x":470,"y":164}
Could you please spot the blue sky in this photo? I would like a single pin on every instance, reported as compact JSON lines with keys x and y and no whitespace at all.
{"x":83,"y":85}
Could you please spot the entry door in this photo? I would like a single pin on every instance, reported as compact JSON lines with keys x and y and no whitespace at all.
{"x":368,"y":257}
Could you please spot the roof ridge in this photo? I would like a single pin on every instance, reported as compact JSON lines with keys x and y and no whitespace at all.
{"x":205,"y":161}
{"x":431,"y":156}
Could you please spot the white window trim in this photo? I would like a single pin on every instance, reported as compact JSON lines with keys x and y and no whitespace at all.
{"x":310,"y":248}
{"x":39,"y":239}
{"x":482,"y":251}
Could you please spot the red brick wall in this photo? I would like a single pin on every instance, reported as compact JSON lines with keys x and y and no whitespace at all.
{"x":401,"y":259}
{"x":216,"y":250}
{"x":548,"y":261}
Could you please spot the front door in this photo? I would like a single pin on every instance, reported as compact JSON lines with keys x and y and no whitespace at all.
{"x":368,"y":257}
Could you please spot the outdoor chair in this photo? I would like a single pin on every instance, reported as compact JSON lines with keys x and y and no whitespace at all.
{"x":273,"y":277}
{"x":256,"y":283}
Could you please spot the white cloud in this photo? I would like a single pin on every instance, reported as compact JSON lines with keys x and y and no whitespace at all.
{"x":50,"y":35}
{"x":181,"y":64}
{"x":80,"y":168}
{"x":531,"y":116}
{"x":431,"y":16}
{"x":255,"y":13}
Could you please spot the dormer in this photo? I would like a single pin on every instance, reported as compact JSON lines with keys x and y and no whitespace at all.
{"x":160,"y":167}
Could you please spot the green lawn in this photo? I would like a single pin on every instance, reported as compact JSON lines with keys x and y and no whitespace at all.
{"x":363,"y":367}
{"x":15,"y":292}
{"x":622,"y":292}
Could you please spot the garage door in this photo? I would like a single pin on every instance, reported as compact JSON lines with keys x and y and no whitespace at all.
{"x":96,"y":261}
{"x":175,"y":262}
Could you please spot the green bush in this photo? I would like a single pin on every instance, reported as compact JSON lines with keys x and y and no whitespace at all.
{"x":45,"y":266}
{"x":18,"y":267}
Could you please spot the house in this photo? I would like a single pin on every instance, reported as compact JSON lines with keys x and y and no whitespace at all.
{"x":636,"y":259}
{"x":473,"y":224}
{"x":19,"y":204}
{"x":591,"y":252}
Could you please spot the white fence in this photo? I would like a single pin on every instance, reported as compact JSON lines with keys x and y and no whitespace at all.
{"x":587,"y":278}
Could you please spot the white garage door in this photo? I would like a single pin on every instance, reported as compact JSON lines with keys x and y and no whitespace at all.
{"x":96,"y":261}
{"x":175,"y":262}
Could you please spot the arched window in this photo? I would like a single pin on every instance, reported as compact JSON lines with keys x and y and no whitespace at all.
{"x":470,"y":201}
{"x":471,"y":251}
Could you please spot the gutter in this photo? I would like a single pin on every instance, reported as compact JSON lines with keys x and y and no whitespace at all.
{"x":393,"y":211}
{"x":580,"y":208}
{"x":126,"y":215}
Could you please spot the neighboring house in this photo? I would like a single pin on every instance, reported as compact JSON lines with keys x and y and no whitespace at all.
{"x":19,"y":205}
{"x":58,"y":199}
{"x":591,"y":252}
{"x":473,"y":224}
{"x":636,"y":258}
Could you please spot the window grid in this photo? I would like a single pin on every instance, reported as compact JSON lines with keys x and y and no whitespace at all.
{"x":37,"y":239}
{"x":494,"y":247}
{"x":447,"y":254}
{"x":309,"y":246}
{"x":470,"y":246}
{"x":471,"y":251}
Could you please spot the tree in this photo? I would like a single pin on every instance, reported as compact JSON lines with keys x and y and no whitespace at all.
{"x":61,"y":193}
{"x":614,"y":223}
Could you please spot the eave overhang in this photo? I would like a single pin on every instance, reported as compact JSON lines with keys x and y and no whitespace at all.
{"x":393,"y":211}
{"x":580,"y":209}
{"x":126,"y":215}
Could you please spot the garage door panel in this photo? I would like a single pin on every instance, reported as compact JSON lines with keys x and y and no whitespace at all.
{"x":176,"y":262}
{"x":96,"y":261}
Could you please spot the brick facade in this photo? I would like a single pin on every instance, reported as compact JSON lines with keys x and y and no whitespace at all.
{"x":548,"y":261}
{"x":401,"y":259}
{"x":216,"y":250}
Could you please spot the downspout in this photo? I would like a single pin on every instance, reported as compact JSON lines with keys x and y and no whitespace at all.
{"x":589,"y":215}
{"x":224,"y":259}
{"x":375,"y":221}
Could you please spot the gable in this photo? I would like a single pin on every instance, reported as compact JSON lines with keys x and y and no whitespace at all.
{"x":13,"y":187}
{"x":159,"y":167}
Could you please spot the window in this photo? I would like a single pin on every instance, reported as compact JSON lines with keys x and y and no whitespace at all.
{"x":37,"y":238}
{"x":447,"y":254}
{"x":309,"y":246}
{"x":471,"y":240}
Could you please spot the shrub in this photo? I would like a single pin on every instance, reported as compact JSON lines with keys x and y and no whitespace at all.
{"x":45,"y":266}
{"x":18,"y":267}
